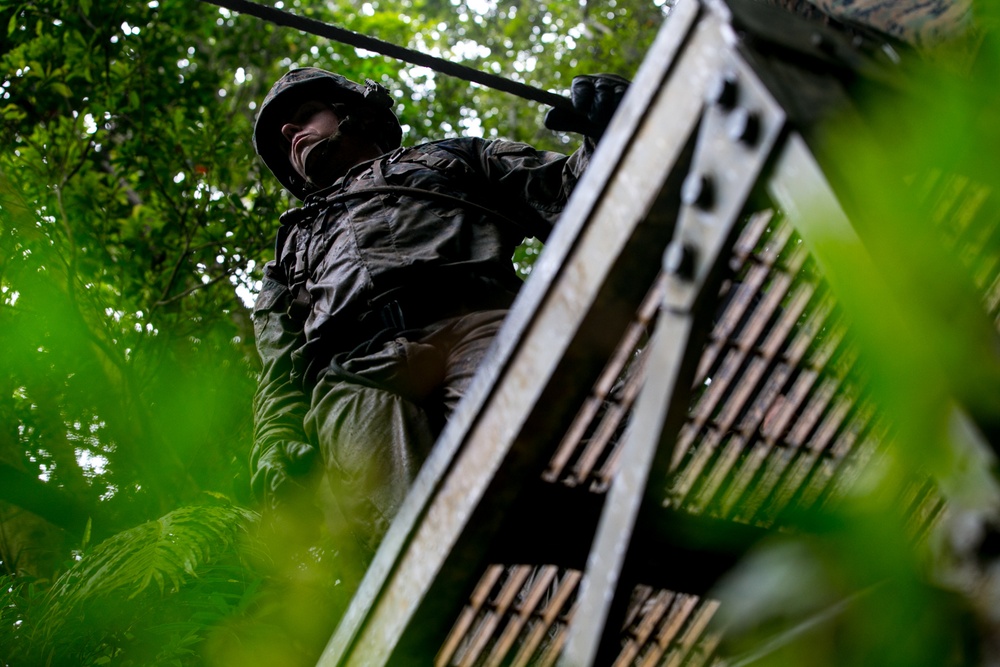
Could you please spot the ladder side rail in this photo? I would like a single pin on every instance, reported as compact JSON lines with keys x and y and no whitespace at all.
{"x":545,"y":319}
{"x":736,"y":141}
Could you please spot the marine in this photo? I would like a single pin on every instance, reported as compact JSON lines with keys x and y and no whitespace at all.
{"x":389,"y":283}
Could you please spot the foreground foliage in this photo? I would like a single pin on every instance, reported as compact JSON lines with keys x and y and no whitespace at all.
{"x":134,"y":222}
{"x":144,"y":596}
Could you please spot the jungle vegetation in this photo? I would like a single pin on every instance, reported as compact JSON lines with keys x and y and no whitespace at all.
{"x":134,"y":222}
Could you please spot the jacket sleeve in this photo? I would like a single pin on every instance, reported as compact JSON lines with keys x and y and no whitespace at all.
{"x":542,"y":180}
{"x":280,"y":450}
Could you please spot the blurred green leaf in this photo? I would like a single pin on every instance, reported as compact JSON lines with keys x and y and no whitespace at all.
{"x":129,"y":368}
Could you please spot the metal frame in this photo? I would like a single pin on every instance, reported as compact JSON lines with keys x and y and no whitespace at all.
{"x":593,"y":273}
{"x":741,"y":125}
{"x":708,"y":117}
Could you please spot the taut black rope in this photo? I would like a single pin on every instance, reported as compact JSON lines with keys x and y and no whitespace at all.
{"x":314,"y":27}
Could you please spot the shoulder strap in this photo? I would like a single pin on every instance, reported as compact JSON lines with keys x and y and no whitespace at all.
{"x":299,"y":219}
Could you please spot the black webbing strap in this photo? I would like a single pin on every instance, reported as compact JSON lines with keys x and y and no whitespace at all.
{"x":321,"y":29}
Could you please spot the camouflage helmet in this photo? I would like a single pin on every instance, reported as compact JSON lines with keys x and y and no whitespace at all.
{"x":311,"y":83}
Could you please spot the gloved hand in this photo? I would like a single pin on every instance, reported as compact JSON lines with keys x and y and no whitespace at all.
{"x":595,"y":98}
{"x":281,"y":473}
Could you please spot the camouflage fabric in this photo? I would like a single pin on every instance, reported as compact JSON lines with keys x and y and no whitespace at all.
{"x":433,"y":227}
{"x":376,"y":417}
{"x":311,"y":83}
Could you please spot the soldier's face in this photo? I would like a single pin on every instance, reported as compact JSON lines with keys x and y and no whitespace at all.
{"x":312,"y":123}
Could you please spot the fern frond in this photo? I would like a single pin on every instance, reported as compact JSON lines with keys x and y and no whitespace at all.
{"x":165,"y":553}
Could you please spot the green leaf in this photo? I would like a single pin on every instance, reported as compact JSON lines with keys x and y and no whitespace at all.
{"x":62,"y":89}
{"x":85,"y":541}
{"x":123,"y":567}
{"x":13,"y":112}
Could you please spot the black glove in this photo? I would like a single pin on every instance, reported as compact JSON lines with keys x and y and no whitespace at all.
{"x":595,"y":98}
{"x":281,"y":472}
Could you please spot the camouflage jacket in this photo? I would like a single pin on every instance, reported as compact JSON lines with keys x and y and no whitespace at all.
{"x":457,"y":207}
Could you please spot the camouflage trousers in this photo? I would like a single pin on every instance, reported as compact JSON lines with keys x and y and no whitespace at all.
{"x":377,"y":414}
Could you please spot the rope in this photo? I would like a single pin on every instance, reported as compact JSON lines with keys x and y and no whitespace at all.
{"x":320,"y":29}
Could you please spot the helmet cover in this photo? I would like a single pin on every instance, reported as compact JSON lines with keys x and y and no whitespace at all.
{"x":307,"y":84}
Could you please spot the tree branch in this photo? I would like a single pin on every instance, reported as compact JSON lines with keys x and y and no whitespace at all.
{"x":52,"y":504}
{"x":192,"y":290}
